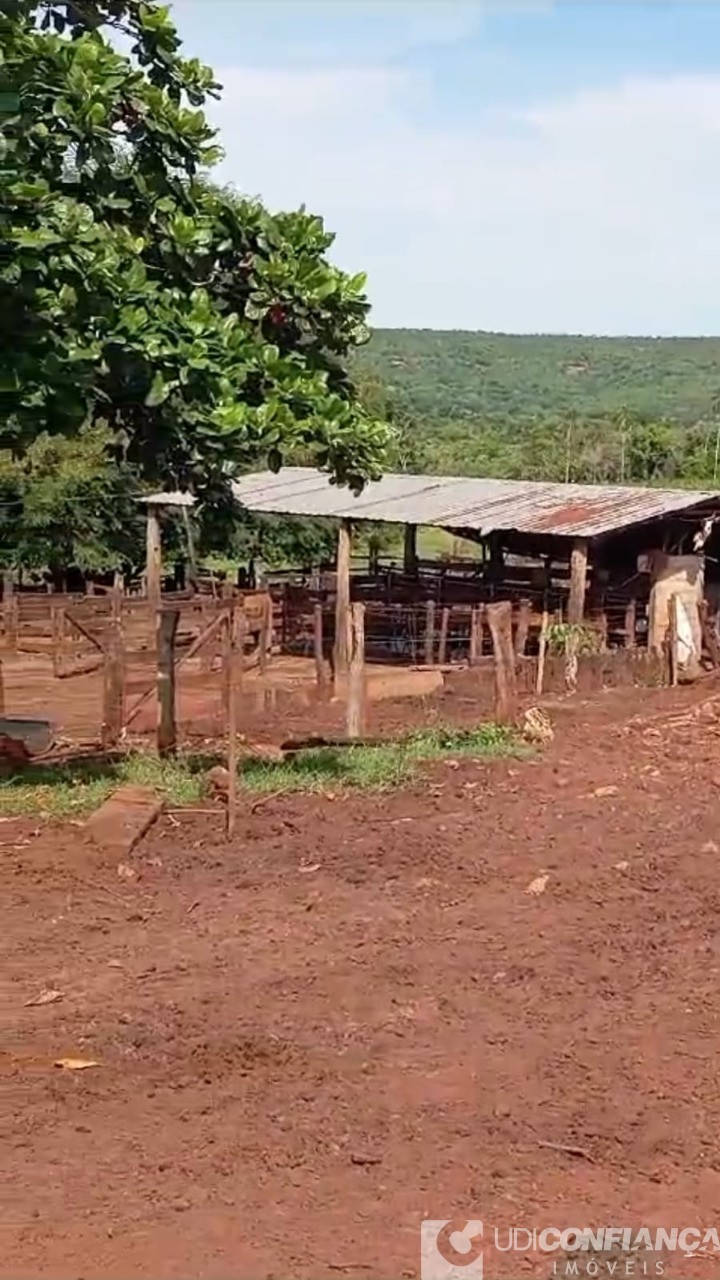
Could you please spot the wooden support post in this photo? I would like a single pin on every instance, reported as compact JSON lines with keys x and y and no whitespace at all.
{"x":153,"y":559}
{"x":443,"y":641}
{"x":429,"y":633}
{"x":167,"y":624}
{"x":321,"y":673}
{"x":342,"y":601}
{"x":10,"y":610}
{"x":630,"y":620}
{"x":241,"y":629}
{"x":672,"y":637}
{"x":228,"y":642}
{"x":499,"y":618}
{"x":113,"y":686}
{"x":578,"y":580}
{"x":356,"y":680}
{"x":542,"y":651}
{"x":410,"y":562}
{"x":475,"y":633}
{"x":2,"y":689}
{"x":523,"y":627}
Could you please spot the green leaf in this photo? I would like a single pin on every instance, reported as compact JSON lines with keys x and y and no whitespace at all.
{"x":158,"y":393}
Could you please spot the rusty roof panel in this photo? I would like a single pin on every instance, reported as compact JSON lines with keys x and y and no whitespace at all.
{"x":566,"y":510}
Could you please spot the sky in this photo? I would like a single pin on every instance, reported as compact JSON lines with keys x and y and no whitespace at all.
{"x":520,"y":166}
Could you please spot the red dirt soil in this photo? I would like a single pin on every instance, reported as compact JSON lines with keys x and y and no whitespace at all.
{"x":355,"y":1017}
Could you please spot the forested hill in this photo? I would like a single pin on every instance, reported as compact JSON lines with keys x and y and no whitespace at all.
{"x":454,"y":374}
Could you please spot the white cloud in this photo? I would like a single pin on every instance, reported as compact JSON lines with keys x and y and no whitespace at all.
{"x":596,"y":213}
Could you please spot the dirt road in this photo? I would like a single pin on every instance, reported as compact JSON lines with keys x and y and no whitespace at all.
{"x":356,"y":1017}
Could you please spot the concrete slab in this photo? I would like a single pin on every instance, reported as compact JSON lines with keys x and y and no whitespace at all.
{"x":122,"y":820}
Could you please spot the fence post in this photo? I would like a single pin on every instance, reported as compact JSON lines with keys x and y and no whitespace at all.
{"x":113,"y":686}
{"x":167,"y":727}
{"x":475,"y":633}
{"x":2,"y":689}
{"x":630,"y":620}
{"x":673,"y":603}
{"x":429,"y":632}
{"x":321,"y":672}
{"x":356,"y":680}
{"x":444,"y":625}
{"x":523,"y":627}
{"x":499,"y":618}
{"x":10,"y":610}
{"x":232,"y":630}
{"x":266,"y":634}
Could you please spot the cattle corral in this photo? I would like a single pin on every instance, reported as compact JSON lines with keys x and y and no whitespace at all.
{"x":487,"y":992}
{"x":355,"y":1016}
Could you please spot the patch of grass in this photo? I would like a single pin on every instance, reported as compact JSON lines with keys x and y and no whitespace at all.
{"x":378,"y":768}
{"x":75,"y":789}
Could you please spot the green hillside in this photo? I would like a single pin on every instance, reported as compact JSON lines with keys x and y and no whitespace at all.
{"x":455,"y":374}
{"x":596,"y":409}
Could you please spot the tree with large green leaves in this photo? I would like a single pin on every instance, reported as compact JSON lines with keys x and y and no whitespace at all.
{"x":206,"y":333}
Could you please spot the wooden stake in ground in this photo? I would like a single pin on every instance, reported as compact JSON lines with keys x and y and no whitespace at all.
{"x":542,"y":652}
{"x":113,"y":686}
{"x":356,"y":681}
{"x":266,"y":634}
{"x":499,"y":618}
{"x":342,"y":600}
{"x":2,"y":690}
{"x":167,"y":727}
{"x":57,"y":620}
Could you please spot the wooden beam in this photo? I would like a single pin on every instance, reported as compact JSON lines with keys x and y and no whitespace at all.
{"x":342,"y":600}
{"x":153,"y":558}
{"x":578,"y":580}
{"x":410,"y":562}
{"x":167,"y":726}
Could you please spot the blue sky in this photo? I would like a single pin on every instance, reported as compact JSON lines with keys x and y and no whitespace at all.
{"x":516,"y":165}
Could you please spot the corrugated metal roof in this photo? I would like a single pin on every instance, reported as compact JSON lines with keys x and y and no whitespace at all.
{"x":457,"y":502}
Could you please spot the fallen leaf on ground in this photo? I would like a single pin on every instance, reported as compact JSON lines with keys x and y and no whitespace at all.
{"x":537,"y":886}
{"x":710,"y":847}
{"x":621,"y":866}
{"x":313,"y":866}
{"x":126,"y":872}
{"x":75,"y":1064}
{"x":49,"y":996}
{"x":605,"y":791}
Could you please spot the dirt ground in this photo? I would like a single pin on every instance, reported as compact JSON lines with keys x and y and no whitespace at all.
{"x":356,"y":1017}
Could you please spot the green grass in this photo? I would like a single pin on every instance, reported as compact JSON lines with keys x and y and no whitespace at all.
{"x":73,"y":790}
